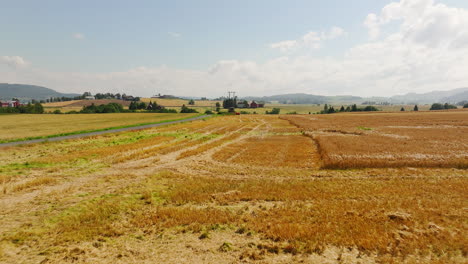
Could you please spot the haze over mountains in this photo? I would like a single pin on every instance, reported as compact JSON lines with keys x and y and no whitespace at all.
{"x":26,"y":92}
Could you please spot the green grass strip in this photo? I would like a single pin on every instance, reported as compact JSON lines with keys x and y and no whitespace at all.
{"x":97,"y":130}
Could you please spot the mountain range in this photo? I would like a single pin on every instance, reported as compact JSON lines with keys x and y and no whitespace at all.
{"x":451,"y":96}
{"x":26,"y":92}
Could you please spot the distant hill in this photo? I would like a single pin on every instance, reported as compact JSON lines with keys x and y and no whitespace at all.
{"x":25,"y":92}
{"x":459,"y":97}
{"x":450,"y":96}
{"x":302,"y":98}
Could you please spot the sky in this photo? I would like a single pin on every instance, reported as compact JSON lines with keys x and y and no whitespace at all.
{"x":205,"y":48}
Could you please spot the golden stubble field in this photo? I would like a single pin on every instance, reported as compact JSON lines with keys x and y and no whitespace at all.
{"x":238,"y":189}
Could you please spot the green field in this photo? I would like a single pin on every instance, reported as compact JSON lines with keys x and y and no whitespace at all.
{"x":19,"y":126}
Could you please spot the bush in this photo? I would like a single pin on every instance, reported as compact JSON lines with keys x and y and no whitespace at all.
{"x":57,"y":111}
{"x":274,"y":111}
{"x":104,"y":108}
{"x":438,"y":106}
{"x":185,"y":109}
{"x":209,"y":112}
{"x":35,"y":108}
{"x":163,"y":110}
{"x":370,"y":108}
{"x":9,"y":110}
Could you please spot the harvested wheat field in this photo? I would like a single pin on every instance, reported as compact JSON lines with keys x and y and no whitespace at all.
{"x":244,"y":189}
{"x":424,"y":139}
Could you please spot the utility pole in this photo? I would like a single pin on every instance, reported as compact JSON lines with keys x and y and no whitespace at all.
{"x":233,"y":94}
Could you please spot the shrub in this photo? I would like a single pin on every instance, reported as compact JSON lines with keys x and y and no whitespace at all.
{"x":438,"y":106}
{"x":104,"y":108}
{"x":209,"y":112}
{"x":185,"y":109}
{"x":163,"y":110}
{"x":274,"y":111}
{"x":57,"y":111}
{"x":35,"y":108}
{"x":370,"y":108}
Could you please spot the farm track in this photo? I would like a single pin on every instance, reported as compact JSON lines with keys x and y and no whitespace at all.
{"x":97,"y":133}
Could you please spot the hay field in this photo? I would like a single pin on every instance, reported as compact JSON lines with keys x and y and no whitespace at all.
{"x":233,"y":189}
{"x":179,"y":102}
{"x":417,"y":139}
{"x":21,"y":126}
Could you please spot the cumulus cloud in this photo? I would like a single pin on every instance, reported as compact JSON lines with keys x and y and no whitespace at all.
{"x":78,"y":36}
{"x":14,"y":61}
{"x":427,"y":50}
{"x":311,"y":39}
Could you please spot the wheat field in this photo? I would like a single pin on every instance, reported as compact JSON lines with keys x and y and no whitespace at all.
{"x":424,"y":139}
{"x":238,"y":189}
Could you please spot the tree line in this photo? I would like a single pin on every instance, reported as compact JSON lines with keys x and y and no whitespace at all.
{"x":29,"y":108}
{"x":353,"y":108}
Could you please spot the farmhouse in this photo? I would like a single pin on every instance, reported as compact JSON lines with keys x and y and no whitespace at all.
{"x":253,"y":104}
{"x":10,"y":104}
{"x":90,"y":97}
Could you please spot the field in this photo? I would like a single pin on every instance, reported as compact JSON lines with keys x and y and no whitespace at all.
{"x":179,"y":102}
{"x":437,"y":139}
{"x":203,"y":105}
{"x":248,"y":189}
{"x":21,"y":126}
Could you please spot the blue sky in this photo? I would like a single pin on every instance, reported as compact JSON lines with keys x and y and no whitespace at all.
{"x":102,"y":37}
{"x":125,"y":34}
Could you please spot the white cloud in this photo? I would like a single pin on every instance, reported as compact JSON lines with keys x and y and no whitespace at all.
{"x":285,"y":46}
{"x":174,"y":34}
{"x":78,"y":36}
{"x":311,"y":40}
{"x":427,"y":50}
{"x":14,"y":61}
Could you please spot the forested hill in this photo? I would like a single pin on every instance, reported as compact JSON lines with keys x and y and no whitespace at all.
{"x":25,"y":92}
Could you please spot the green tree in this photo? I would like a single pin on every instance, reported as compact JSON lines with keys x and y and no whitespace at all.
{"x":416,"y":108}
{"x":185,"y":109}
{"x":449,"y":106}
{"x":141,"y":105}
{"x":191,"y":102}
{"x":436,"y":106}
{"x":402,"y":109}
